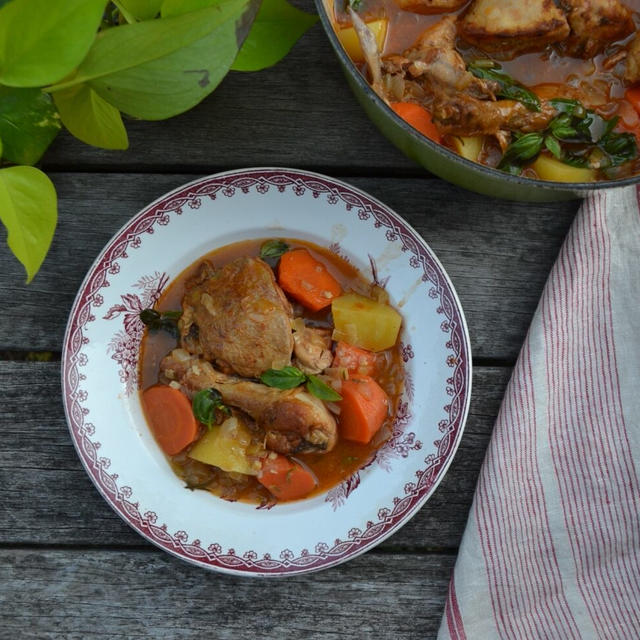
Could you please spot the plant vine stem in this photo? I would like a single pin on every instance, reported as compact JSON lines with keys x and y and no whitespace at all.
{"x":125,"y":14}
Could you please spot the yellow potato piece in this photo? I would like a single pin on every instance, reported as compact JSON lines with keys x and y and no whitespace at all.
{"x":549,"y":168}
{"x":469,"y":147}
{"x":365,"y":323}
{"x":351,"y":44}
{"x":225,"y":446}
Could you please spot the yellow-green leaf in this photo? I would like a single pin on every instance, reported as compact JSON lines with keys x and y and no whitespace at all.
{"x":141,"y":9}
{"x":41,"y":41}
{"x":277,"y":27}
{"x":90,"y":118}
{"x":159,"y":68}
{"x":29,"y":211}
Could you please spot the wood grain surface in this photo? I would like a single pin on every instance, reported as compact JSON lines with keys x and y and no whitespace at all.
{"x":69,"y":567}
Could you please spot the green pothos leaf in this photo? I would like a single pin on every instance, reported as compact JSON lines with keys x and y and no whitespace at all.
{"x":90,"y":118}
{"x":28,"y":209}
{"x":41,"y":41}
{"x":140,"y":9}
{"x":28,"y":124}
{"x":159,"y":68}
{"x":276,"y":28}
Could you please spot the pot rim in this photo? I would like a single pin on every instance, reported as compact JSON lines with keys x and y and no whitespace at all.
{"x":441,"y":150}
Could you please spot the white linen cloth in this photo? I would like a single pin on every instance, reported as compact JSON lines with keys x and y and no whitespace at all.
{"x":552,"y":544}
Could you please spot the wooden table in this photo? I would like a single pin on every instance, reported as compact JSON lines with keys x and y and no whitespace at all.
{"x":70,"y":568}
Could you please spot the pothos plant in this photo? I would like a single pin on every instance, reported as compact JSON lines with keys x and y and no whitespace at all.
{"x":81,"y":64}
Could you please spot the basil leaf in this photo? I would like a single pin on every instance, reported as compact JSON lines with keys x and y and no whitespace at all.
{"x":140,"y":9}
{"x":525,"y":147}
{"x":553,"y":145}
{"x":161,"y":320}
{"x":29,"y":211}
{"x":41,"y":41}
{"x":285,"y":378}
{"x":204,"y":405}
{"x":509,"y":88}
{"x":322,"y":390}
{"x":276,"y":28}
{"x":28,"y":124}
{"x":620,"y":147}
{"x":273,"y":249}
{"x":160,"y":68}
{"x":91,"y":118}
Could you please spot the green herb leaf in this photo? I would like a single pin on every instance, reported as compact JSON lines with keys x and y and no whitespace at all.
{"x":276,"y":28}
{"x":204,"y":405}
{"x":140,"y":9}
{"x":322,"y":390}
{"x":273,"y":249}
{"x":90,"y":118}
{"x":28,"y":209}
{"x":160,"y":68}
{"x":509,"y":88}
{"x":285,"y":378}
{"x":553,"y":145}
{"x":41,"y":41}
{"x":161,"y":320}
{"x":28,"y":124}
{"x":525,"y":147}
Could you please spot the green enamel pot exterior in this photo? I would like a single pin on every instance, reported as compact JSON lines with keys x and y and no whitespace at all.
{"x":445,"y":163}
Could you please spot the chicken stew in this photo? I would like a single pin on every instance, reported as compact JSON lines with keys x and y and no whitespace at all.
{"x":543,"y":89}
{"x":270,"y":371}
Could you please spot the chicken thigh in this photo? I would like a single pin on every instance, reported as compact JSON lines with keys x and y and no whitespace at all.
{"x":513,"y":26}
{"x":293,"y":420}
{"x":237,"y":317}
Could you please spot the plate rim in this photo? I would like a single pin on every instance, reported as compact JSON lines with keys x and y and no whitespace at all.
{"x":329,"y":561}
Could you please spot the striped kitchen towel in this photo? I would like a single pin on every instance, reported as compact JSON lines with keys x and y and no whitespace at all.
{"x":552,"y":545}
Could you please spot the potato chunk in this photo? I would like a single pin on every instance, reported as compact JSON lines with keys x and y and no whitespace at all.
{"x":365,"y":323}
{"x":349,"y":39}
{"x":225,"y":446}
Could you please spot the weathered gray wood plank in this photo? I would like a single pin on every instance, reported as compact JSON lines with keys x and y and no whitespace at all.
{"x":78,"y":595}
{"x":299,"y":113}
{"x":48,"y":499}
{"x":497,"y":253}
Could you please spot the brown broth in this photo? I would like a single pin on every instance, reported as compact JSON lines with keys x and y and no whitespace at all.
{"x":330,"y":468}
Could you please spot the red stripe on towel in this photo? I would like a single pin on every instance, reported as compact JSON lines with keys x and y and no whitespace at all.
{"x":454,"y":617}
{"x":525,"y":586}
{"x":589,"y":445}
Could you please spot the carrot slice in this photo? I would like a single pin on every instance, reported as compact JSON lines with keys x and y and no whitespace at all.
{"x":632,"y":95}
{"x":363,"y":409}
{"x":419,"y":118}
{"x":286,"y":479}
{"x":354,"y":360}
{"x":170,"y":418}
{"x":307,"y":280}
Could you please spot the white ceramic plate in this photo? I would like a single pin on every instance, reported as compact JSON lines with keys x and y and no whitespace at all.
{"x":99,"y":373}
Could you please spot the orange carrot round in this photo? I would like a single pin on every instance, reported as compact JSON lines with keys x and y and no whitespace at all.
{"x":363,"y":409}
{"x":307,"y":280}
{"x":354,"y":360}
{"x":170,"y":418}
{"x":419,"y":118}
{"x":632,"y":95}
{"x":286,"y":479}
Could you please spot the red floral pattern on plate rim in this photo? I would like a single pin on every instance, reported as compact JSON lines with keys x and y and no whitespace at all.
{"x":368,"y":210}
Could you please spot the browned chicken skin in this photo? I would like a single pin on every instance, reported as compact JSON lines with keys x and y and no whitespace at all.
{"x":595,"y":24}
{"x":237,"y":317}
{"x":293,"y":420}
{"x":513,"y":26}
{"x":632,"y":62}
